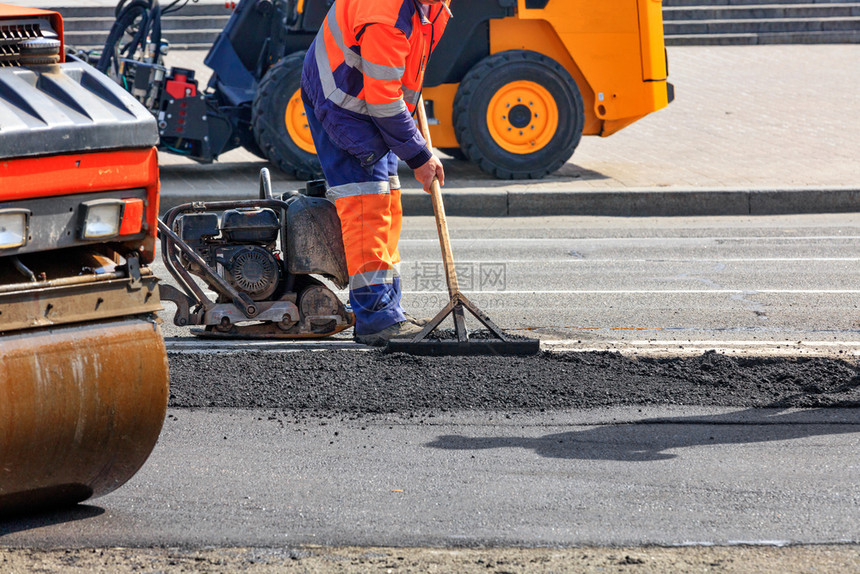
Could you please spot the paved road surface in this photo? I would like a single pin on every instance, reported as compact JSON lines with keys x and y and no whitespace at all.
{"x":608,"y":282}
{"x":603,"y":477}
{"x":617,"y":476}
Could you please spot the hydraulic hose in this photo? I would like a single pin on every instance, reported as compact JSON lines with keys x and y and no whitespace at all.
{"x":127,"y":12}
{"x":125,"y":20}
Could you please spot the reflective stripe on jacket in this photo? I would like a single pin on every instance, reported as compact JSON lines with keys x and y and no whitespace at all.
{"x":364,"y":72}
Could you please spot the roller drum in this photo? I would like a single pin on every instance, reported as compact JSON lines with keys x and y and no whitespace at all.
{"x":81,"y":409}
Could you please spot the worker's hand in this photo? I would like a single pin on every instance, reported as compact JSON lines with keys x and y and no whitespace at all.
{"x":426,"y":173}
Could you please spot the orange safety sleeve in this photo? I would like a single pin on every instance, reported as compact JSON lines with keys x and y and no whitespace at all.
{"x":384,"y":51}
{"x":386,"y":55}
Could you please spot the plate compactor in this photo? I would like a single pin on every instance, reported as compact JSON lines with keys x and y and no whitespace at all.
{"x":263,"y":259}
{"x":83,"y":366}
{"x":259,"y":257}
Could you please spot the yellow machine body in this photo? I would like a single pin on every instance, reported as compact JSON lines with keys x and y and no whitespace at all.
{"x":613,"y":49}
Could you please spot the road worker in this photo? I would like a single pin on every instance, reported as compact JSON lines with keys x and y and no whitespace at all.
{"x":361,"y":81}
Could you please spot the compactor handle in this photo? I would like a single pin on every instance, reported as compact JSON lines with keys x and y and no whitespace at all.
{"x":265,"y":184}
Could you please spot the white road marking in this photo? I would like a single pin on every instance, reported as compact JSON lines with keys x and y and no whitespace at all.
{"x":751,"y":291}
{"x":714,"y":342}
{"x":211,"y":346}
{"x":760,"y":348}
{"x":661,"y":240}
{"x":597,"y":259}
{"x":842,"y":349}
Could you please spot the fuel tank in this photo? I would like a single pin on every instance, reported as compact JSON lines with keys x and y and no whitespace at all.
{"x":315,"y":242}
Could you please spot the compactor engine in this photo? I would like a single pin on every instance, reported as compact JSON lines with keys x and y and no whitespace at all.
{"x":263,"y":258}
{"x":83,"y":367}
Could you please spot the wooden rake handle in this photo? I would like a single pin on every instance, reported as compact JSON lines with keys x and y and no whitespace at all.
{"x":439,"y":212}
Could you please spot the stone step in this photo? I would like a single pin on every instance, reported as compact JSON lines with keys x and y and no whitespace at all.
{"x":726,"y":22}
{"x":103,"y":24}
{"x":178,"y":39}
{"x":762,"y":26}
{"x":766,"y":11}
{"x":195,"y":26}
{"x":713,"y":22}
{"x":848,"y":37}
{"x":92,"y":11}
{"x":674,"y":3}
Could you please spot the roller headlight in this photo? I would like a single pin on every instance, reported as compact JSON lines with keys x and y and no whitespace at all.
{"x":101,"y":218}
{"x":14,"y":228}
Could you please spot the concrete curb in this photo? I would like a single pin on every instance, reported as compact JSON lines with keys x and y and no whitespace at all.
{"x":642,"y":202}
{"x":645,"y":202}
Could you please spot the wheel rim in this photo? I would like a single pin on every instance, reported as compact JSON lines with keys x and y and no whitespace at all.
{"x":522,"y":117}
{"x":297,"y":124}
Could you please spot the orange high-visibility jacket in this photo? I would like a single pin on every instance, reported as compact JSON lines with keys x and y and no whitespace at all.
{"x":364,"y":72}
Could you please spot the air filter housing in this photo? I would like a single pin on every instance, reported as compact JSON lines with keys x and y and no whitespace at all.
{"x":28,"y":42}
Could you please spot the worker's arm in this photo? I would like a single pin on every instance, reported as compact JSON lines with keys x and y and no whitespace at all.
{"x":384,"y":50}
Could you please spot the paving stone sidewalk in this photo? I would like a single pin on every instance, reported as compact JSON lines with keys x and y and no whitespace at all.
{"x":744,"y":117}
{"x":758,"y":129}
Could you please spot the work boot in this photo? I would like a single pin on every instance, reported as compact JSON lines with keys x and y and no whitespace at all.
{"x":420,"y":321}
{"x":399,"y":330}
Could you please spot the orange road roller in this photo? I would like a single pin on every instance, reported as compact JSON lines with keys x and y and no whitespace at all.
{"x":83,"y":366}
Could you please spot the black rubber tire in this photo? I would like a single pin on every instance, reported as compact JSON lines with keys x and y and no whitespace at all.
{"x":454,"y":152}
{"x":267,"y":118}
{"x":476,"y":91}
{"x":249,"y":143}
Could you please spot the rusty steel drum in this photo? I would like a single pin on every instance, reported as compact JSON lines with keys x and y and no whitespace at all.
{"x":81,"y":408}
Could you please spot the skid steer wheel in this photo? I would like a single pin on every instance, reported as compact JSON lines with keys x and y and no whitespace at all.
{"x":518,"y":115}
{"x":278,"y":119}
{"x":454,"y":152}
{"x":249,"y":141}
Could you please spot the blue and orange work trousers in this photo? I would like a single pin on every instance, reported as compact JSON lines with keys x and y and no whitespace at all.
{"x":367,"y":199}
